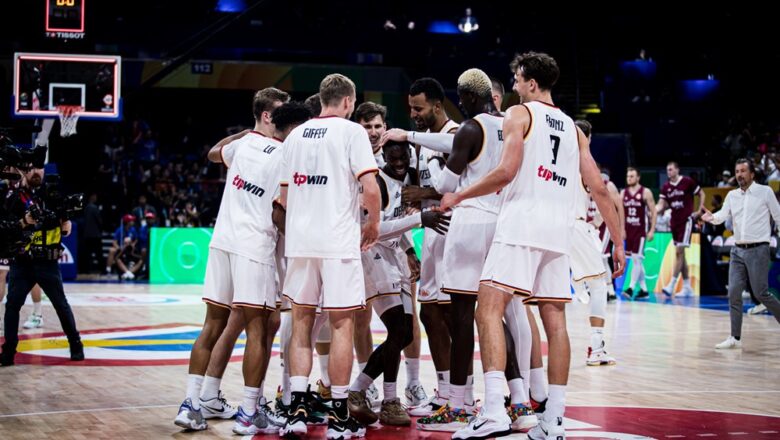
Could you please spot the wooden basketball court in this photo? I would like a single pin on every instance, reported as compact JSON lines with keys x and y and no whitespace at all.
{"x":669,"y":381}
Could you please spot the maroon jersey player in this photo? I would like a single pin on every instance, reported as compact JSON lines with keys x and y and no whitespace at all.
{"x":639,"y":209}
{"x":677,"y":194}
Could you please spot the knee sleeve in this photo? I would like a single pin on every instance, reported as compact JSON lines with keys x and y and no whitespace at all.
{"x":598,"y":298}
{"x":516,"y":319}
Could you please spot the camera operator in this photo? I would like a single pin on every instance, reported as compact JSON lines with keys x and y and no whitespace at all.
{"x":38,"y":261}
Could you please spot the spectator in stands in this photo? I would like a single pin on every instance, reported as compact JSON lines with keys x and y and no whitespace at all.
{"x":725,"y":179}
{"x":143,"y":208}
{"x":128,"y":260}
{"x":92,"y":237}
{"x":711,"y":229}
{"x":126,"y":230}
{"x":145,"y":232}
{"x":144,"y":142}
{"x":769,"y":165}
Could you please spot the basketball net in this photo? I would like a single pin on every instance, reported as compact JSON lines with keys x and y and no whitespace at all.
{"x":69,"y":116}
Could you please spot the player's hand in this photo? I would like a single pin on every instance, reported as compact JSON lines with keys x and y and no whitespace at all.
{"x":369,"y":236}
{"x":412,"y":194}
{"x":650,"y":236}
{"x":411,"y":210}
{"x":707,"y":216}
{"x":449,"y":201}
{"x":618,"y":260}
{"x":414,"y":265}
{"x":394,"y":134}
{"x":436,"y":220}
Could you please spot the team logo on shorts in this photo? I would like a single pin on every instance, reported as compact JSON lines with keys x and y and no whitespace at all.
{"x":166,"y":344}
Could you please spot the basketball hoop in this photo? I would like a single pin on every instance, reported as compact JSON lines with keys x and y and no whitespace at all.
{"x":69,"y":116}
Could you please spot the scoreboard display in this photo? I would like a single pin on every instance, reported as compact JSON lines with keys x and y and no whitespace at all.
{"x":65,"y":19}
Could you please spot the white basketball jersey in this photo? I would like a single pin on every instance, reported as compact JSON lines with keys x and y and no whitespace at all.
{"x":324,"y":158}
{"x":426,"y":155}
{"x":394,"y":208}
{"x":244,"y":225}
{"x":380,"y":158}
{"x":537,"y":207}
{"x":583,"y":202}
{"x":488,"y":159}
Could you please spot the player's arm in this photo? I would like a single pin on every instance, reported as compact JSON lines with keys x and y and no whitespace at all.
{"x":416,"y":194}
{"x":371,"y":202}
{"x":441,"y":142}
{"x":650,"y":203}
{"x":662,"y":205}
{"x":598,"y":191}
{"x":215,"y":154}
{"x":515,"y":126}
{"x":618,"y":201}
{"x":702,"y":199}
{"x":435,"y":220}
{"x":465,"y":147}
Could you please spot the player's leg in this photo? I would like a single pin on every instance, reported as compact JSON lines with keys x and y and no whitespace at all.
{"x":35,"y":320}
{"x":414,"y":391}
{"x":249,"y":420}
{"x":537,"y":382}
{"x":520,"y":410}
{"x":597,"y":354}
{"x":213,"y":404}
{"x":190,"y":415}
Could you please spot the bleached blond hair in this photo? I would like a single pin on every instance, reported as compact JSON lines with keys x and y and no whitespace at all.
{"x":477,"y":82}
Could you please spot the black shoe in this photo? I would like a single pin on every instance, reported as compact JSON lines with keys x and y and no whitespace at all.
{"x":76,"y":351}
{"x":295,"y":427}
{"x":7,"y":358}
{"x":627,"y":293}
{"x":643,"y":294}
{"x":611,"y":297}
{"x":343,"y":428}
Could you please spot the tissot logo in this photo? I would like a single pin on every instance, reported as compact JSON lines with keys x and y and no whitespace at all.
{"x":249,"y":187}
{"x":548,"y":175}
{"x":303,"y":179}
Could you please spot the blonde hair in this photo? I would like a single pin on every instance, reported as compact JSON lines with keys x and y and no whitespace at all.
{"x":477,"y":82}
{"x":334,"y":88}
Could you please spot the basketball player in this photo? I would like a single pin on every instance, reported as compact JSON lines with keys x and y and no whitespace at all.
{"x":677,"y":194}
{"x":476,"y":150}
{"x":497,"y":93}
{"x":543,"y":157}
{"x":373,"y":118}
{"x":388,"y":289}
{"x":213,"y":404}
{"x":587,"y":270}
{"x":594,"y":218}
{"x":638,"y":205}
{"x":426,"y":103}
{"x":241,"y":269}
{"x":326,"y":160}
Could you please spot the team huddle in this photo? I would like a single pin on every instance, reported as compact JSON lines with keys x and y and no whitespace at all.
{"x":313,"y":237}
